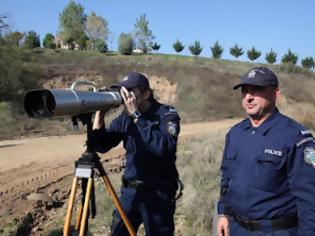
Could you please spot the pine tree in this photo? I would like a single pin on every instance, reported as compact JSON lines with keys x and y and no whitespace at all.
{"x":308,"y":62}
{"x":178,"y":46}
{"x":217,"y":50}
{"x":253,"y":54}
{"x":290,"y":57}
{"x":155,"y":46}
{"x":195,"y":48}
{"x":236,"y":51}
{"x":271,"y":57}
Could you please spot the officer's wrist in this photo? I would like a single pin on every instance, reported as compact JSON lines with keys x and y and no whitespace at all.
{"x":135,"y":116}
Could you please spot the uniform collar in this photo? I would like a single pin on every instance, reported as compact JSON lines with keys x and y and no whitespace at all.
{"x":265,"y":126}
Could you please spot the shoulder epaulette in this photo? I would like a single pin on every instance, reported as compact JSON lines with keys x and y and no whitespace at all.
{"x":171,"y":111}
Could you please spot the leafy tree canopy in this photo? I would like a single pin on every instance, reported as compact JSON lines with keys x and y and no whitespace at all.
{"x":125,"y":46}
{"x":49,"y":41}
{"x":14,"y":38}
{"x":31,"y":40}
{"x":96,"y":27}
{"x":72,"y":21}
{"x":143,"y":35}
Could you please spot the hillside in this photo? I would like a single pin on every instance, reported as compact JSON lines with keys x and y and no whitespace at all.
{"x":200,"y":88}
{"x":36,"y":172}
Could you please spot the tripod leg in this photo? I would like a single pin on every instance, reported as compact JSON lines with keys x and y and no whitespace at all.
{"x":79,"y":217}
{"x":66,"y":227}
{"x":117,"y":204}
{"x":86,"y":207}
{"x":80,"y":211}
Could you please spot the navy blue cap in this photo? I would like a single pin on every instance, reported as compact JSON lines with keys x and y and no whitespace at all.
{"x":258,"y":76}
{"x":133,"y":79}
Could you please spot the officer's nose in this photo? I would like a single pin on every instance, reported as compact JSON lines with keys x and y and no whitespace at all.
{"x":247,"y":95}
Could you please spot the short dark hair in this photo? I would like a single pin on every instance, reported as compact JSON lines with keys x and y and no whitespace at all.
{"x":145,"y":88}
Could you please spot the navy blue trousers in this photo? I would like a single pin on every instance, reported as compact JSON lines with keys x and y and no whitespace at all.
{"x":155,"y":209}
{"x":237,"y":230}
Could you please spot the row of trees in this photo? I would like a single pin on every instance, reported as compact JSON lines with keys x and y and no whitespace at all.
{"x":252,"y":54}
{"x":90,"y":32}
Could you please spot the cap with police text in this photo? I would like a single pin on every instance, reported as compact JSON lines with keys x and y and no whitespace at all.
{"x":258,"y":76}
{"x":133,"y":79}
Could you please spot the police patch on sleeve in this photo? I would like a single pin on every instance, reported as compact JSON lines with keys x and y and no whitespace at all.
{"x":172,"y":128}
{"x":309,"y":156}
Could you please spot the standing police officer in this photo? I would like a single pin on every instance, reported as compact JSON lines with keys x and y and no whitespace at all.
{"x":149,"y":131}
{"x":268,"y":175}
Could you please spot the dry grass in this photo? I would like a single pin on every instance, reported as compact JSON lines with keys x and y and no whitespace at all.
{"x":198,"y":162}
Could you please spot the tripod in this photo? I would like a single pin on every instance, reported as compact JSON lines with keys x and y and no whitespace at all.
{"x":85,"y":169}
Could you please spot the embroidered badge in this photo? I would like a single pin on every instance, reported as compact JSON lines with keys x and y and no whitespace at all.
{"x":273,"y":152}
{"x":172,"y":128}
{"x":252,"y":74}
{"x":309,"y":156}
{"x":124,"y":79}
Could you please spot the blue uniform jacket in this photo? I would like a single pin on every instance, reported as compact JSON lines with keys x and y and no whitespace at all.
{"x":268,"y":172}
{"x":150,"y":144}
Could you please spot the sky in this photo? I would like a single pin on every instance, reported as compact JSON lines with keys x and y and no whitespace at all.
{"x":277,"y":24}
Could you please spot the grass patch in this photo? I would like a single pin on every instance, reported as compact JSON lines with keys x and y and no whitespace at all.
{"x":198,"y":161}
{"x":19,"y":227}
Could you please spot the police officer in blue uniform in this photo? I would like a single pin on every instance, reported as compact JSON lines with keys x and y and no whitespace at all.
{"x":268,"y":175}
{"x":149,"y":131}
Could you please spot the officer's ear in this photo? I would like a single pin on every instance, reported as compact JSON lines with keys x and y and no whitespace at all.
{"x":277,"y":93}
{"x":147,"y":94}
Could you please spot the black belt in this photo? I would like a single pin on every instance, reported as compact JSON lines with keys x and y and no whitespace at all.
{"x":276,"y":224}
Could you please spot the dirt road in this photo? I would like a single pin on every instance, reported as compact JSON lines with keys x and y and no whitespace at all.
{"x":45,"y":166}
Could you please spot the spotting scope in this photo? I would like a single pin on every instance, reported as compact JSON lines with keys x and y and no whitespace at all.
{"x":47,"y":103}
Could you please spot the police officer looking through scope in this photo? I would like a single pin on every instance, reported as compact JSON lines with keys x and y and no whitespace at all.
{"x":268,"y":175}
{"x":149,"y":131}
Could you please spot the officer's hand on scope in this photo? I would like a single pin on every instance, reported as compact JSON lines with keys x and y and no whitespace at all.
{"x":223,"y":226}
{"x":130,"y":100}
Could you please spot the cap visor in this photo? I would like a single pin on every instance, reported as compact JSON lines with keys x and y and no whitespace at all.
{"x":237,"y":86}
